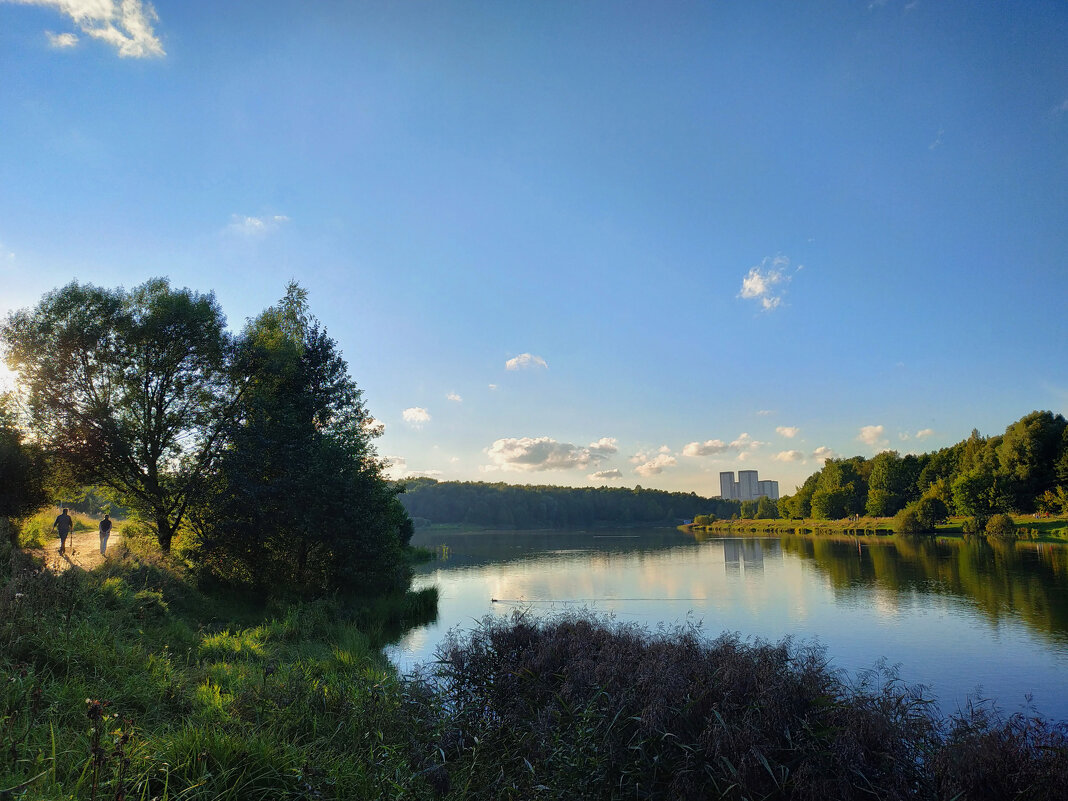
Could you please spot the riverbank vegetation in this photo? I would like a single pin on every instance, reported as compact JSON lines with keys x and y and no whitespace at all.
{"x":535,"y":506}
{"x":130,"y":682}
{"x":994,"y":485}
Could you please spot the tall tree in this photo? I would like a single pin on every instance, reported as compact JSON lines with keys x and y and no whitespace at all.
{"x":129,"y":389}
{"x":299,"y":501}
{"x":1028,"y":456}
{"x":23,"y":472}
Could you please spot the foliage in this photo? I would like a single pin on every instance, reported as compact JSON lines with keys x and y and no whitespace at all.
{"x":298,"y":501}
{"x":127,"y":388}
{"x":931,"y":511}
{"x":1024,"y":469}
{"x":23,"y":472}
{"x":1001,"y":525}
{"x":576,"y":707}
{"x":766,"y":509}
{"x":908,"y":521}
{"x":748,"y":510}
{"x":540,"y":506}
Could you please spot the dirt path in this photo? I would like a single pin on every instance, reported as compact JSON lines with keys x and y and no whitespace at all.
{"x":83,"y":550}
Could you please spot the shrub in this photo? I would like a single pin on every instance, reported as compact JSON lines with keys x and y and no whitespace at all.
{"x":973,"y":525}
{"x":1000,"y":525}
{"x":907,"y":521}
{"x":931,"y":511}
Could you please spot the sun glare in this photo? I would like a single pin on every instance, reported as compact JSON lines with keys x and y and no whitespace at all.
{"x":7,"y":378}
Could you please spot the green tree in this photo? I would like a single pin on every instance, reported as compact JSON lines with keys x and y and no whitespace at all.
{"x":299,"y":501}
{"x":1027,"y":455}
{"x":129,"y":389}
{"x":930,"y":510}
{"x":766,"y":509}
{"x":1000,"y":525}
{"x":23,"y":472}
{"x":749,"y":510}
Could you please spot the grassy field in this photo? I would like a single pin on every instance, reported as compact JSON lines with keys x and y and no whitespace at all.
{"x":1051,"y":529}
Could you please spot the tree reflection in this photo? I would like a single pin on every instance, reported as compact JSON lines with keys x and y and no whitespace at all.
{"x":1003,"y":579}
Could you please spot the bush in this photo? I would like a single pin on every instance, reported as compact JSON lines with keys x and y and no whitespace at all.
{"x":1001,"y":525}
{"x":973,"y":525}
{"x":907,"y":521}
{"x":576,"y":707}
{"x":931,"y":511}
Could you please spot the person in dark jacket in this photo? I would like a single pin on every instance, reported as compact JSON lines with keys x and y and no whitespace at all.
{"x":105,"y":532}
{"x":63,"y":524}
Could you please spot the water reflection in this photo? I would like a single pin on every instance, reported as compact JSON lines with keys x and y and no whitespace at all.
{"x":954,"y":614}
{"x":1002,"y":580}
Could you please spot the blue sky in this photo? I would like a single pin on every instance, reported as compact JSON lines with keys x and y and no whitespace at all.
{"x":577,"y":243}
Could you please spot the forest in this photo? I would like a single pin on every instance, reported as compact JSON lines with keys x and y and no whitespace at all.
{"x":527,"y":506}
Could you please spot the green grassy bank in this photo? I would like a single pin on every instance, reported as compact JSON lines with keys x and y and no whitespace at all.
{"x":1041,"y":529}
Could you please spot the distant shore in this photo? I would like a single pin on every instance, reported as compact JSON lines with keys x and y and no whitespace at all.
{"x":1028,"y":527}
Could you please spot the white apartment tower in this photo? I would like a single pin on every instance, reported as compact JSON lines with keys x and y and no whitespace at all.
{"x":748,"y":487}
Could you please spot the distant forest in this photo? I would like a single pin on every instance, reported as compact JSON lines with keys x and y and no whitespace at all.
{"x":1024,"y":470}
{"x":534,"y":506}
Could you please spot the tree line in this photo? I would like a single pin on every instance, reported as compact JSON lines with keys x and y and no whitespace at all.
{"x":539,"y":506}
{"x":256,"y":447}
{"x":1022,"y":471}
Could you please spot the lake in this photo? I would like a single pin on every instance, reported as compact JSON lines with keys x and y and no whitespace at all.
{"x":964,"y":618}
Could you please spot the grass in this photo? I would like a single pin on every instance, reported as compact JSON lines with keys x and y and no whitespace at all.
{"x":1052,"y":529}
{"x":130,"y":682}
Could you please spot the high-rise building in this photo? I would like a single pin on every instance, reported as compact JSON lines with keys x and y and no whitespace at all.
{"x":748,"y":487}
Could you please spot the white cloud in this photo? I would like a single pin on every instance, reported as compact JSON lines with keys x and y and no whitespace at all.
{"x":746,"y":443}
{"x":605,"y":475}
{"x":788,"y":431}
{"x":788,"y":456}
{"x":454,"y":397}
{"x":255,"y":226}
{"x":924,"y":433}
{"x":423,"y":474}
{"x":823,"y":453}
{"x":126,"y":25}
{"x":416,"y":416}
{"x":766,"y":281}
{"x":61,"y":41}
{"x":764,"y":412}
{"x":396,"y":467}
{"x":706,"y":448}
{"x":937,"y":143}
{"x":603,"y":448}
{"x":872,"y":436}
{"x":656,"y":465}
{"x":524,"y":361}
{"x":493,"y":387}
{"x":710,"y":447}
{"x":531,"y":454}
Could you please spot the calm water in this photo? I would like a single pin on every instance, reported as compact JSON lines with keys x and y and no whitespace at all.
{"x":955,"y":616}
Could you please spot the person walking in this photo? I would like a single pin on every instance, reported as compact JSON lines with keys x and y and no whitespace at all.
{"x":63,"y":524}
{"x":105,"y":532}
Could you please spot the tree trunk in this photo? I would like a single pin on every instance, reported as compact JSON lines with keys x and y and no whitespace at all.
{"x":164,"y":532}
